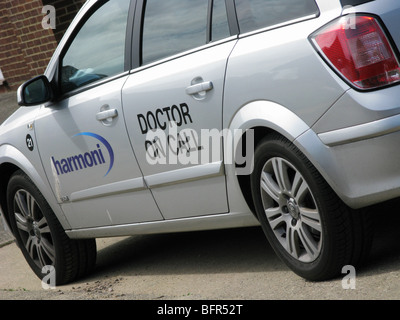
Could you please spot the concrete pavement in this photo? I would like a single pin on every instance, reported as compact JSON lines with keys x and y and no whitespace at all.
{"x":5,"y":235}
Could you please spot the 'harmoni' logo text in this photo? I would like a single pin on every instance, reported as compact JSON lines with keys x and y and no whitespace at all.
{"x":86,"y":160}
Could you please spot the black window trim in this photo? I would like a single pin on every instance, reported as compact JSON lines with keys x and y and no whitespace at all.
{"x":232,"y":17}
{"x":129,"y":35}
{"x":137,"y":34}
{"x":209,"y":20}
{"x":56,"y":82}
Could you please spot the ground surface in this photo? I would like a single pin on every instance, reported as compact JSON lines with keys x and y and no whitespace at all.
{"x":221,"y":265}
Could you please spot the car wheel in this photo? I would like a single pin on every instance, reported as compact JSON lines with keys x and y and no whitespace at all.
{"x":41,"y":237}
{"x":307,"y":225}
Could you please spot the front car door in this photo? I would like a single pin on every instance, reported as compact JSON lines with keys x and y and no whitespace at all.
{"x":84,"y":145}
{"x":173,"y":104}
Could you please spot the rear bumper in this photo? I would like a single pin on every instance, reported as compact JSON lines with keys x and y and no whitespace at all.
{"x":361,"y":163}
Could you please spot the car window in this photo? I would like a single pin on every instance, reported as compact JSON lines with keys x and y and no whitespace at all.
{"x":220,"y":26}
{"x":98,"y":50}
{"x":173,"y":26}
{"x":256,"y":14}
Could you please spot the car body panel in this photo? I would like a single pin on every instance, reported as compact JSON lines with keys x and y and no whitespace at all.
{"x":14,"y":150}
{"x":91,"y":164}
{"x":270,"y":78}
{"x":349,"y":168}
{"x":276,"y":72}
{"x":207,"y":222}
{"x":205,"y":193}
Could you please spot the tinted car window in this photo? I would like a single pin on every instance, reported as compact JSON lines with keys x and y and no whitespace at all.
{"x":173,"y":26}
{"x":220,"y":26}
{"x":98,"y":50}
{"x":255,"y":14}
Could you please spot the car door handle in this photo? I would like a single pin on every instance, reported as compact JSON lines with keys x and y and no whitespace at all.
{"x":199,"y":87}
{"x":107,"y":115}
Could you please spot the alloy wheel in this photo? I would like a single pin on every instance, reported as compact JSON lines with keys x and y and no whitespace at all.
{"x":33,"y":229}
{"x":291,"y":210}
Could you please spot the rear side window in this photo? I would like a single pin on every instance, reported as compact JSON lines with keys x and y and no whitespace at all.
{"x":173,"y":26}
{"x":353,"y":2}
{"x":256,"y":14}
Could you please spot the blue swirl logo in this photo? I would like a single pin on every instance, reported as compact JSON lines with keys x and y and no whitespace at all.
{"x":86,"y":160}
{"x":105,"y":143}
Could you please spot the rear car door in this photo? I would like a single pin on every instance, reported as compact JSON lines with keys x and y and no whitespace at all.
{"x":82,"y":138}
{"x":173,"y":99}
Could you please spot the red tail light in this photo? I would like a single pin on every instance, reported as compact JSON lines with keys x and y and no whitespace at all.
{"x":357,"y":47}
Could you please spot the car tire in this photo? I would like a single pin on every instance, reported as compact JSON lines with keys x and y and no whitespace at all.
{"x":313,"y":232}
{"x":41,"y":237}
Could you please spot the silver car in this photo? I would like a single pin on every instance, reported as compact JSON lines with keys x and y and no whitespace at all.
{"x":176,"y":115}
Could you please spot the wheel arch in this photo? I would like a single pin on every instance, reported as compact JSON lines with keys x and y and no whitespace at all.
{"x":261,"y":118}
{"x":265,"y":118}
{"x":6,"y":171}
{"x":12,"y":160}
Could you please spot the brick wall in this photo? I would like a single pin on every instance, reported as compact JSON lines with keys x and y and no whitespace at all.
{"x":25,"y":47}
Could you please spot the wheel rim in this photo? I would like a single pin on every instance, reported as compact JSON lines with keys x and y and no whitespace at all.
{"x":291,"y":210}
{"x":33,"y":229}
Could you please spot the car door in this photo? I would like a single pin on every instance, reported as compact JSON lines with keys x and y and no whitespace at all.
{"x":82,"y":138}
{"x":173,"y":104}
